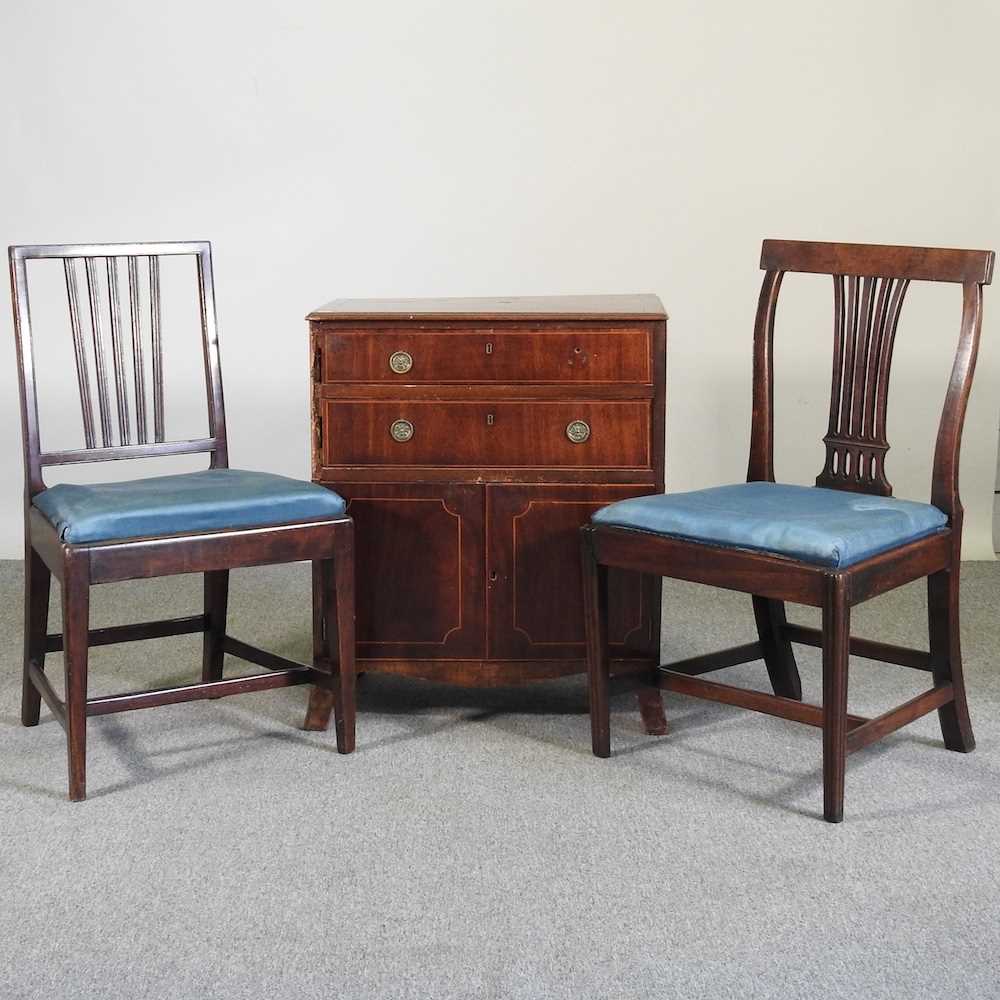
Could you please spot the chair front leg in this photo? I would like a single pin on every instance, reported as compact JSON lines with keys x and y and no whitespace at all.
{"x":340,"y":635}
{"x":216,"y":588}
{"x":946,"y":657}
{"x":836,"y":656}
{"x":76,"y":640}
{"x":778,"y":655}
{"x":37,"y":589}
{"x":595,"y":616}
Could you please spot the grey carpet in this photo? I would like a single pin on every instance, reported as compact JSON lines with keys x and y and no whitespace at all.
{"x":473,"y":847}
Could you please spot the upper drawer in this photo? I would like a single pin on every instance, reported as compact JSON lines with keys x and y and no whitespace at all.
{"x":523,"y":355}
{"x":498,"y":434}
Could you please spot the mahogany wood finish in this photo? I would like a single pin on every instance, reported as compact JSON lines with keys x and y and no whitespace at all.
{"x":533,"y":355}
{"x":869,"y":285}
{"x":534,"y":555}
{"x":129,"y":422}
{"x":468,"y":526}
{"x":758,"y":701}
{"x":863,"y":335}
{"x":551,"y":308}
{"x":487,"y":433}
{"x":411,"y":605}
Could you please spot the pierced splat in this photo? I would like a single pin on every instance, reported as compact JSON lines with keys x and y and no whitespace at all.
{"x":866,"y":314}
{"x":101,"y":295}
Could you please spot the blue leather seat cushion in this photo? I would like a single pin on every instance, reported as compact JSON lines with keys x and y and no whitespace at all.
{"x":213,"y":500}
{"x":807,"y":523}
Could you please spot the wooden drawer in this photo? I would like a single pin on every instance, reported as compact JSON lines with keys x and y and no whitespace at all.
{"x":497,"y":433}
{"x":524,"y":355}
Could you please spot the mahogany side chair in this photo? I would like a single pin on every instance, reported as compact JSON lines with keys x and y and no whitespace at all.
{"x":832,"y":545}
{"x":201,"y":522}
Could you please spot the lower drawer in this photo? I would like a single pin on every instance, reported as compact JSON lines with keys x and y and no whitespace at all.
{"x":564,"y":433}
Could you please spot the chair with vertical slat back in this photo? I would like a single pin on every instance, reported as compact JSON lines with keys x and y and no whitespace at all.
{"x":202,"y":522}
{"x":832,"y":545}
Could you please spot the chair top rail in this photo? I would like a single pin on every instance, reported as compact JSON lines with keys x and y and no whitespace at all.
{"x":57,"y":250}
{"x":910,"y":263}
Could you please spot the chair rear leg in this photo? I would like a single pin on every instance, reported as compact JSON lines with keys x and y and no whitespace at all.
{"x":946,"y":657}
{"x":76,"y":624}
{"x":216,"y":607}
{"x":37,"y":588}
{"x":836,"y":657}
{"x":595,"y":616}
{"x":654,"y":719}
{"x":321,"y":698}
{"x":340,"y":631}
{"x":778,"y":654}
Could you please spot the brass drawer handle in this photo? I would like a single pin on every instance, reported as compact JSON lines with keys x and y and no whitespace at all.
{"x":400,"y":362}
{"x":401,"y":430}
{"x":578,"y":431}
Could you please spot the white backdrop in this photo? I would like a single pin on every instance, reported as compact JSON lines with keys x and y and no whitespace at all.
{"x":467,"y":148}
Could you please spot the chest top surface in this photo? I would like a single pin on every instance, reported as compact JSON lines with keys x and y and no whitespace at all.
{"x":547,"y":307}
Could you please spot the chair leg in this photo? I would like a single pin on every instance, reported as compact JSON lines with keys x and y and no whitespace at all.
{"x":76,"y":623}
{"x":778,"y":655}
{"x":340,"y":630}
{"x":321,"y":698}
{"x":216,"y":605}
{"x":37,"y":588}
{"x":595,"y":616}
{"x":946,"y":657}
{"x":836,"y":656}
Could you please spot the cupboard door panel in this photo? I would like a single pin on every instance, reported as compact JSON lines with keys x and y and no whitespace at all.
{"x":420,"y":569}
{"x":534,"y":594}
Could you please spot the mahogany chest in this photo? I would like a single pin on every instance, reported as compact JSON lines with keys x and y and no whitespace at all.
{"x":472,"y":438}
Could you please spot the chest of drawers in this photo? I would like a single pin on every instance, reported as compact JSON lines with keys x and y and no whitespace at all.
{"x":472,"y":438}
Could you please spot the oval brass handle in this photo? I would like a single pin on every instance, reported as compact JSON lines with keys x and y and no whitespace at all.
{"x":401,"y":430}
{"x":400,"y":362}
{"x":578,"y":431}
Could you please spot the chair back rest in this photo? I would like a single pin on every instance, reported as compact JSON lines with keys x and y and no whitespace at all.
{"x":869,"y":285}
{"x":123,"y":425}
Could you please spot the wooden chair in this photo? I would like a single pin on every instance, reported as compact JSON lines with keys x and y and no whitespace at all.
{"x":830,"y":547}
{"x":204,"y":522}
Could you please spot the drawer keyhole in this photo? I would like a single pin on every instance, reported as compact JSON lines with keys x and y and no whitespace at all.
{"x":493,"y":576}
{"x":489,"y":348}
{"x":489,"y":419}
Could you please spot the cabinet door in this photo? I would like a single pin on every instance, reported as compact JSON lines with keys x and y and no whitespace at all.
{"x":534,"y":594}
{"x":420,"y":569}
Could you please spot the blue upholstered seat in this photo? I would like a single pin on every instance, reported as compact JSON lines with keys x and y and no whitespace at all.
{"x":814,"y":525}
{"x":213,"y":500}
